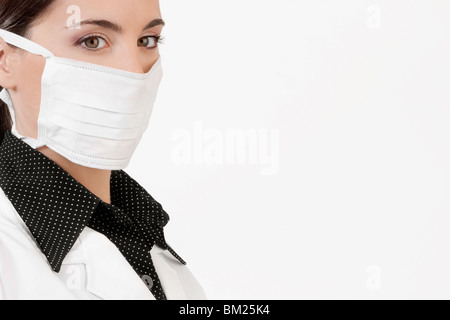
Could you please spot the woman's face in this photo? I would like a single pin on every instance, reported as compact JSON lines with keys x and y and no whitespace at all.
{"x":114,"y":33}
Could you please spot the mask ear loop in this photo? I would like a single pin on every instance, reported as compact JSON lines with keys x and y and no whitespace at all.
{"x":32,"y":47}
{"x":24,"y":43}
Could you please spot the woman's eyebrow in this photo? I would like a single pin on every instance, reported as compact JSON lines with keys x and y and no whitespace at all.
{"x":114,"y":26}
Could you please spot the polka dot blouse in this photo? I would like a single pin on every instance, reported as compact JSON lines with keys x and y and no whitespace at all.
{"x":56,"y":208}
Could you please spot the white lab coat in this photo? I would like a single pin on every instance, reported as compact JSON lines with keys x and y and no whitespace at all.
{"x":93,"y":269}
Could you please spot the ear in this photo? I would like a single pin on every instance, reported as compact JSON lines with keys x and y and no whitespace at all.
{"x":7,"y":78}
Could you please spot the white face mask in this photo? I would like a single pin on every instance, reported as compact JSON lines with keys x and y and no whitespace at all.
{"x":91,"y":114}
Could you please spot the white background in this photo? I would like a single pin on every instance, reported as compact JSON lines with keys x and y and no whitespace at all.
{"x":358,"y":92}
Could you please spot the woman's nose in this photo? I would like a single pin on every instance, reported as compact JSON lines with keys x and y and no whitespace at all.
{"x":132,"y":60}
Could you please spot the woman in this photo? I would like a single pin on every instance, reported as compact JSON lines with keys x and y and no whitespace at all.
{"x":79,"y":81}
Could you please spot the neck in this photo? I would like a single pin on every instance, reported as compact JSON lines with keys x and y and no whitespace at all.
{"x":96,"y":181}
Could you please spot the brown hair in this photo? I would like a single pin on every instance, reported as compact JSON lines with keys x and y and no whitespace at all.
{"x":18,"y":17}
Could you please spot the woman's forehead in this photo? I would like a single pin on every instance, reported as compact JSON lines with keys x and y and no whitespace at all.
{"x":116,"y":14}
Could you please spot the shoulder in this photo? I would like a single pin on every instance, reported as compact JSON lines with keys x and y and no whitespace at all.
{"x":24,"y":270}
{"x":16,"y":242}
{"x":14,"y":236}
{"x":10,"y":220}
{"x":7,"y":215}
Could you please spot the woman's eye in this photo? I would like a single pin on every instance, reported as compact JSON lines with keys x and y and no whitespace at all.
{"x":148,"y":42}
{"x":94,"y":42}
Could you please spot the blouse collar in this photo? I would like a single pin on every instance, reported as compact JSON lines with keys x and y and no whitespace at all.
{"x":56,"y":208}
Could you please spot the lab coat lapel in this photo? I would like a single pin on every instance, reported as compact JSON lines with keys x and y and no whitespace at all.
{"x":108,"y":276}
